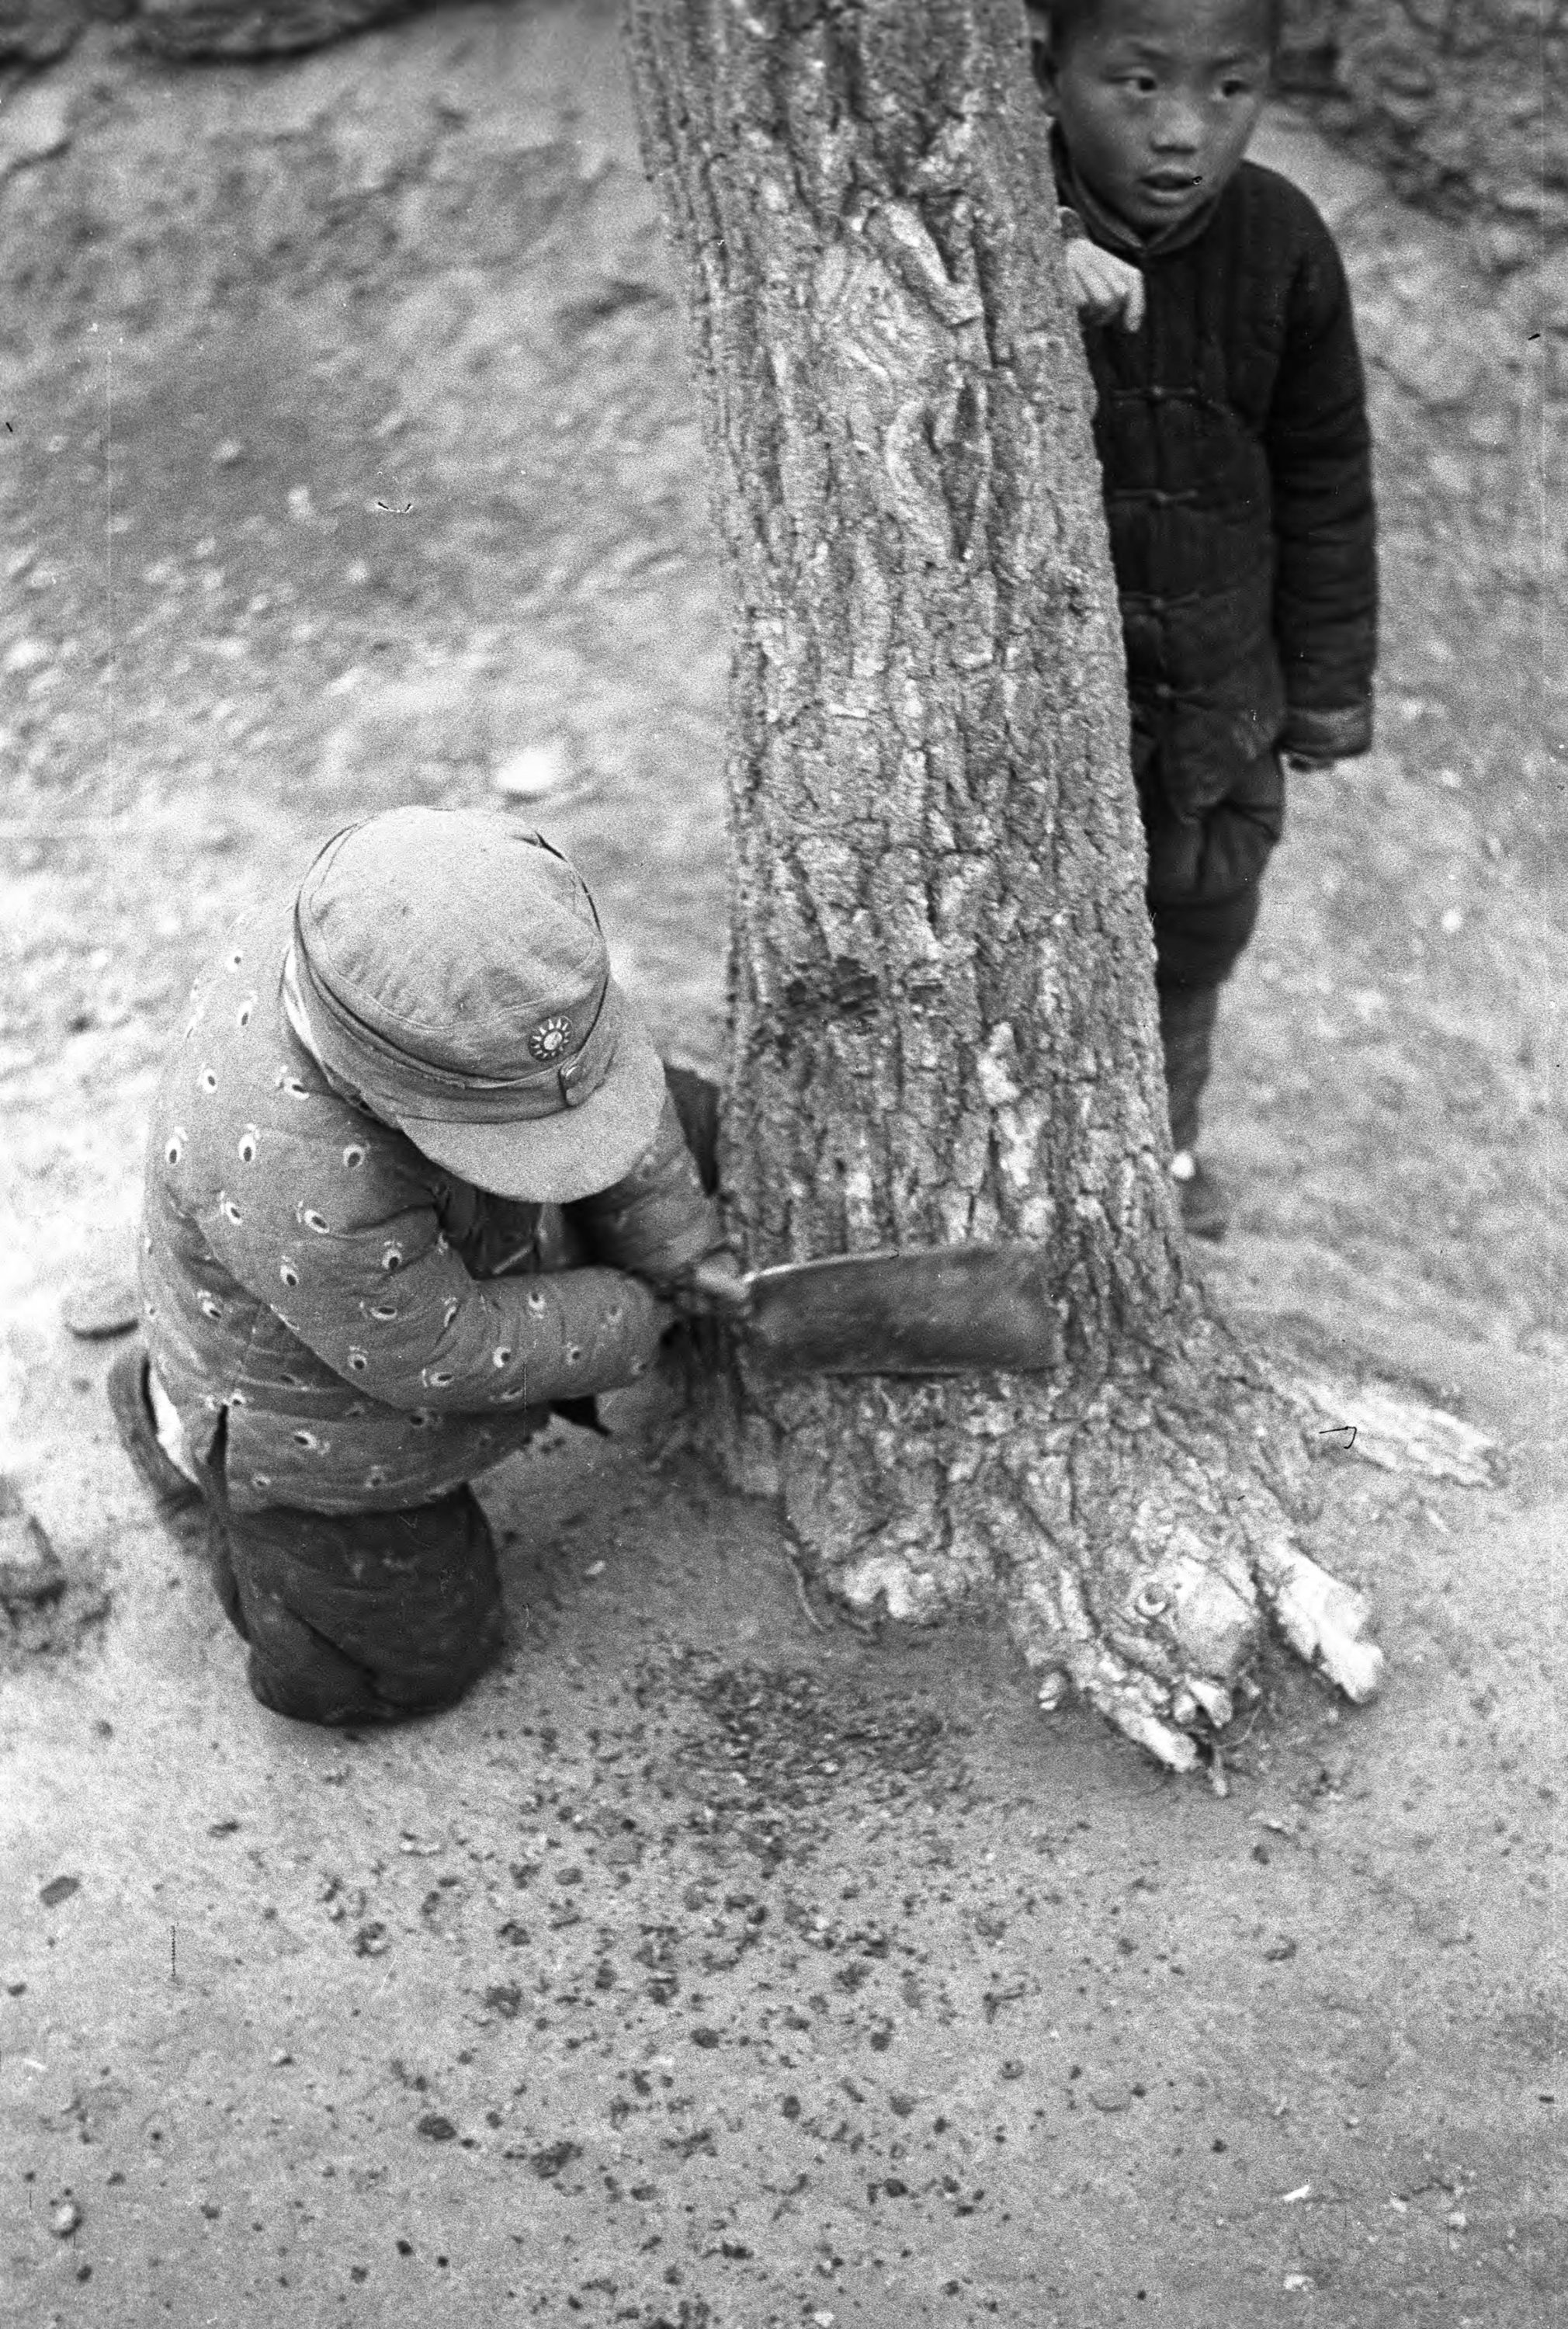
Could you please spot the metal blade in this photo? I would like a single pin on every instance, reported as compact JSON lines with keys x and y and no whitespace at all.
{"x":961,"y":1309}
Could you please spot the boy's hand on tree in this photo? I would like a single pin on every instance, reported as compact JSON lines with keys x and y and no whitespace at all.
{"x":1106,"y":289}
{"x":715,"y":1287}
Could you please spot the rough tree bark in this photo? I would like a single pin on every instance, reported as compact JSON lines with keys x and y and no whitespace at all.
{"x":942,"y":1000}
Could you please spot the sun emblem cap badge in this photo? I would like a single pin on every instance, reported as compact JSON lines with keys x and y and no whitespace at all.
{"x":550,"y":1038}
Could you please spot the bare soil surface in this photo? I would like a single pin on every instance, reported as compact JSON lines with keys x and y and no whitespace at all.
{"x":718,"y":1962}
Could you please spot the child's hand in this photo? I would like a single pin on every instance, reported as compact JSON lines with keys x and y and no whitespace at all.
{"x":715,"y":1287}
{"x":1297,"y":764}
{"x":1106,"y":288}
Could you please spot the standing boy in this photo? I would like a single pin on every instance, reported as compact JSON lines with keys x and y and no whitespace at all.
{"x":1232,"y":432}
{"x":414,"y":1180}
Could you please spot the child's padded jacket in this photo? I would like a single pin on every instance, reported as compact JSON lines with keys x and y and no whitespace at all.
{"x":308,"y":1274}
{"x":1233,"y":437}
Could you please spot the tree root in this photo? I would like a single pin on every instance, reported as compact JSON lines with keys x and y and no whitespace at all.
{"x":1398,"y":1434}
{"x":1139,"y":1541}
{"x":1323,"y":1621}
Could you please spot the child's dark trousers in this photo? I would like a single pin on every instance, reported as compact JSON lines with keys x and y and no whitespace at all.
{"x":1203,"y":894}
{"x":357,"y":1616}
{"x":350,"y":1617}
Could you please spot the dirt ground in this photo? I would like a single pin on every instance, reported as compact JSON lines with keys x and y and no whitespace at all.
{"x":719,"y":1963}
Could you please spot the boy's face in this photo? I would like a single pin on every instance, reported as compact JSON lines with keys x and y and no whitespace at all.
{"x":1158,"y":98}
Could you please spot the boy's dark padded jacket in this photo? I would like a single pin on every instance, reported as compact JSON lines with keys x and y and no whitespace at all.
{"x":1232,"y":436}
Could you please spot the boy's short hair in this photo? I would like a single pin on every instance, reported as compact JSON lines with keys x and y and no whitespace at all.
{"x":1054,"y":25}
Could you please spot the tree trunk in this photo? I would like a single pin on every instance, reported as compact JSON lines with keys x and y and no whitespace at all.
{"x":942,"y":994}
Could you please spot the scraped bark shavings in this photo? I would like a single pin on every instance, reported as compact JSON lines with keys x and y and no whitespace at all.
{"x":779,"y":1751}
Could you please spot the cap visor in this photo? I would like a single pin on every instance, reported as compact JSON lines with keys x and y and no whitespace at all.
{"x":556,"y":1159}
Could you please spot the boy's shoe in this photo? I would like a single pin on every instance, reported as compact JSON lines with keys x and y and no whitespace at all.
{"x":1205,"y":1210}
{"x":133,"y":1413}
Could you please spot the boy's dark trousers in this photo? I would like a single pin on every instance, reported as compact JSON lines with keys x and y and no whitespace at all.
{"x":350,"y":1617}
{"x":1202,"y":895}
{"x":356,"y":1616}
